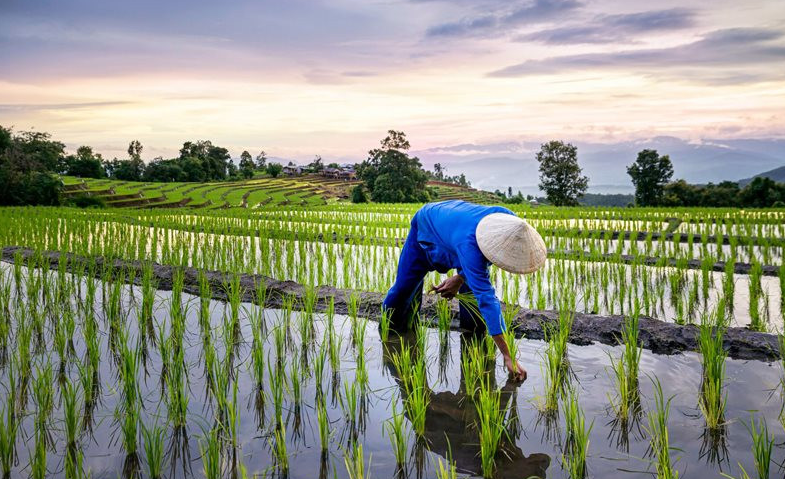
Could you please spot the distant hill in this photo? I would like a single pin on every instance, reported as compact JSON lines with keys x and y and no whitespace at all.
{"x":777,"y":174}
{"x":499,"y":165}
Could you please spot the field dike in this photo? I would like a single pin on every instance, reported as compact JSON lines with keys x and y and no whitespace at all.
{"x":657,"y":336}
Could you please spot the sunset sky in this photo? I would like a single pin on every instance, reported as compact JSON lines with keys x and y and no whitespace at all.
{"x":299,"y":78}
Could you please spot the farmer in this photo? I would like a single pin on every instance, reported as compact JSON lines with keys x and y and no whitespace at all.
{"x":468,"y":238}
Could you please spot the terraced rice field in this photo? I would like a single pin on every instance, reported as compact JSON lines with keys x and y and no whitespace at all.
{"x":219,"y":342}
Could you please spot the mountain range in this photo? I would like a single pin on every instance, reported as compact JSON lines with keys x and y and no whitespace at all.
{"x":501,"y":165}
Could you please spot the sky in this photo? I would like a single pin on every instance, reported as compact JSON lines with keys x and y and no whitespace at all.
{"x":302,"y":78}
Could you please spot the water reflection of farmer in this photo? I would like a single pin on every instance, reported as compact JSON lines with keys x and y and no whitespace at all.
{"x":468,"y":238}
{"x":451,"y":422}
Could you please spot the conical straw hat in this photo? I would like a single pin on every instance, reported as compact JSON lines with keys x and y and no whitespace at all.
{"x":511,"y":243}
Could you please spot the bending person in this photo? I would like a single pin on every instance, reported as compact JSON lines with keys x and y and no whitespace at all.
{"x":468,"y":238}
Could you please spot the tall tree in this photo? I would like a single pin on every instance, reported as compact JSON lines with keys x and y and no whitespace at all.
{"x":560,"y":175}
{"x":27,"y":163}
{"x":247,"y":165}
{"x":85,"y":163}
{"x":391,"y":175}
{"x":261,"y":160}
{"x":317,"y":164}
{"x":274,"y":169}
{"x":650,"y":173}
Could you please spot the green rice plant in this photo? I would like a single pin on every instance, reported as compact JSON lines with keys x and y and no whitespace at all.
{"x":8,"y":431}
{"x":350,"y":403}
{"x":319,"y":364}
{"x":444,"y":315}
{"x":576,"y":444}
{"x":38,"y":456}
{"x":492,"y":426}
{"x":335,"y":346}
{"x":447,"y":468}
{"x":71,"y":414}
{"x":277,"y":384}
{"x":280,"y":453}
{"x":296,"y":380}
{"x":659,"y":443}
{"x":512,"y":346}
{"x":154,"y":449}
{"x":279,"y":343}
{"x":756,"y":292}
{"x":210,"y":447}
{"x":711,"y":400}
{"x":355,"y":462}
{"x":323,"y":422}
{"x":626,"y":367}
{"x":398,"y":432}
{"x":472,"y":368}
{"x":419,"y":397}
{"x":353,"y":305}
{"x":43,"y":394}
{"x":555,"y":374}
{"x":73,"y":465}
{"x":384,"y":324}
{"x":762,"y":445}
{"x":361,"y":368}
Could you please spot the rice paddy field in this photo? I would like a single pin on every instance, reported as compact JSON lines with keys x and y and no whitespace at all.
{"x":244,"y":342}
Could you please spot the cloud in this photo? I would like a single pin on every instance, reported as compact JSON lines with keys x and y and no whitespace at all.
{"x":728,"y":54}
{"x":500,"y":22}
{"x":58,"y":106}
{"x":614,"y":28}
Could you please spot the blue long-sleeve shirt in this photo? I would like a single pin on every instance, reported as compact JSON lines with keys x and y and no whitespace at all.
{"x":446,"y":232}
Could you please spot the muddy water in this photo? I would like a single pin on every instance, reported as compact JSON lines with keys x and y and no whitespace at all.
{"x":534,"y":449}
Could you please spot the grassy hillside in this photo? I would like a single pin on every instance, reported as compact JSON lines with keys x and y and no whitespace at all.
{"x":307,"y":190}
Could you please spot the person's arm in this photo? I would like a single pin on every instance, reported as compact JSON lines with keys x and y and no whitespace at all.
{"x":473,"y":267}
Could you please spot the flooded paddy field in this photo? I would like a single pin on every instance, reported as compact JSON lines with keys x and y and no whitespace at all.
{"x":107,"y":373}
{"x":322,"y":364}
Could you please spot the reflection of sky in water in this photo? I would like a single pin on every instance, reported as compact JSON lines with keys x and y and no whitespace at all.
{"x":748,"y":386}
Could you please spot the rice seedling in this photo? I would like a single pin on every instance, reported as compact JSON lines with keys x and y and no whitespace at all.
{"x":576,"y":444}
{"x":277,"y":383}
{"x":659,"y":443}
{"x":280,"y":453}
{"x":384,"y":324}
{"x":444,"y":315}
{"x":762,"y":445}
{"x":492,"y":425}
{"x":319,"y":364}
{"x":296,"y":380}
{"x":350,"y":404}
{"x":625,"y":369}
{"x":38,"y":456}
{"x":71,"y":414}
{"x":447,"y":468}
{"x":154,"y":449}
{"x":711,"y":399}
{"x":210,"y":447}
{"x":8,"y":432}
{"x":512,"y":346}
{"x":323,"y":423}
{"x":355,"y":462}
{"x":398,"y":432}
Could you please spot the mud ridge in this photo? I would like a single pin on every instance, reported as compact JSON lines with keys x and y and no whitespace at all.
{"x":657,"y":336}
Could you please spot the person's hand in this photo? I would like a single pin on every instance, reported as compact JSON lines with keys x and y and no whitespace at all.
{"x":517,"y":373}
{"x":449,"y":287}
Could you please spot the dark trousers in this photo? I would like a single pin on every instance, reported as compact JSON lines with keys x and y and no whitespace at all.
{"x":403,"y":300}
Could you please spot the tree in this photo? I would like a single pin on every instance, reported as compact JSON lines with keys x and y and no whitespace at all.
{"x":212,"y":158}
{"x":391,"y":175}
{"x":438,"y":171}
{"x":261,"y":160}
{"x":560,"y":175}
{"x":274,"y":169}
{"x":231,"y":170}
{"x":246,"y":165}
{"x":316,"y":165}
{"x":131,"y":169}
{"x":85,"y":164}
{"x":650,"y":173}
{"x":27,"y":161}
{"x":358,"y":194}
{"x":509,"y":192}
{"x":762,"y":192}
